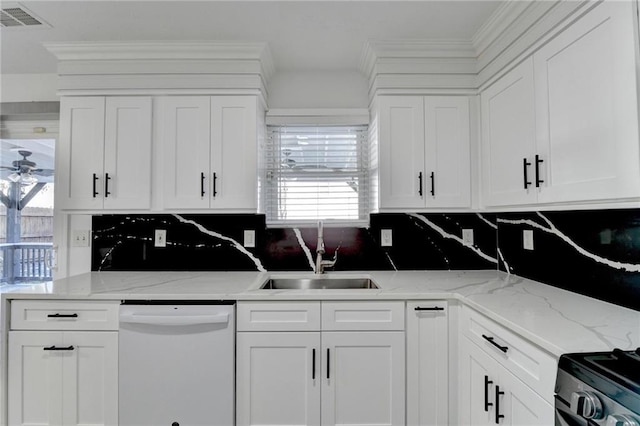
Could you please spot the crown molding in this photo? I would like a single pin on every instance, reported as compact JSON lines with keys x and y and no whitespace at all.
{"x":411,"y":50}
{"x":158,"y":57}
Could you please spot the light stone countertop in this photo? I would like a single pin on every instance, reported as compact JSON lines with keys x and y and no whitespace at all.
{"x":559,"y":321}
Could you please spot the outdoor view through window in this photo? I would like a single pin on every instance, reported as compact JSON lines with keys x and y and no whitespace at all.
{"x":26,"y":210}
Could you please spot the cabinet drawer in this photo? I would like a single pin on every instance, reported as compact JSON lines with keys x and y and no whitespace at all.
{"x":528,"y":362}
{"x":363,"y":316}
{"x":278,"y":316}
{"x":64,"y":315}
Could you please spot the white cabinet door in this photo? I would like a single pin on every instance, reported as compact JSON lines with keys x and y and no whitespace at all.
{"x":401,"y":148}
{"x":80,"y":153}
{"x":63,"y":378}
{"x":587,"y":110}
{"x":185,"y":131}
{"x":520,"y":405}
{"x":509,"y":138}
{"x":127,"y":153}
{"x":277,"y":382}
{"x":233,"y":152}
{"x":448,"y":164}
{"x":363,"y":378}
{"x":427,"y":363}
{"x":90,"y":379}
{"x":477,"y":380}
{"x":35,"y":378}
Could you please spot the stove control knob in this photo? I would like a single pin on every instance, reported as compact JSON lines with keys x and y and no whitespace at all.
{"x":621,"y":420}
{"x":587,"y":405}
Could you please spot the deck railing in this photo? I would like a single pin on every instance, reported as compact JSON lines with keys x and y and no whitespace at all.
{"x":25,"y":262}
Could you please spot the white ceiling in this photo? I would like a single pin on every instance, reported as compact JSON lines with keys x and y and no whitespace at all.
{"x":302,"y":35}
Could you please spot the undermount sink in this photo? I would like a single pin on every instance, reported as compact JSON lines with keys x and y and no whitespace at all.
{"x":318,"y":284}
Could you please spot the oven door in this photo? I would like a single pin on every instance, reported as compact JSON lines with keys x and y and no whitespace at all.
{"x":564,"y":416}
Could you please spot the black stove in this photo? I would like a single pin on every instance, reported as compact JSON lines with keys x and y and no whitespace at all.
{"x":598,"y":388}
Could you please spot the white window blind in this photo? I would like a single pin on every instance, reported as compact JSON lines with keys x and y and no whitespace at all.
{"x":316,"y":173}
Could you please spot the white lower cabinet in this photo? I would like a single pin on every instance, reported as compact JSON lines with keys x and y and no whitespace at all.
{"x":278,"y":378}
{"x":427,"y":363}
{"x":319,"y":377}
{"x":63,"y":378}
{"x":503,"y":379}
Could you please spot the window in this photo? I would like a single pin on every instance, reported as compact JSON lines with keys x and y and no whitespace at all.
{"x":316,"y":173}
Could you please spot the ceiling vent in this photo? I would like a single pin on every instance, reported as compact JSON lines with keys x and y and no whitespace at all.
{"x":17,"y":16}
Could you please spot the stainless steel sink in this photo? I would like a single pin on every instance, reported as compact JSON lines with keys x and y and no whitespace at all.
{"x":318,"y":284}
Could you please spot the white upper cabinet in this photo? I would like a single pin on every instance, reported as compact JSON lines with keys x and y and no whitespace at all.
{"x":424,"y":152}
{"x":587,"y":108}
{"x":104,"y":153}
{"x":562,"y":126}
{"x":209,"y":150}
{"x":508,"y":136}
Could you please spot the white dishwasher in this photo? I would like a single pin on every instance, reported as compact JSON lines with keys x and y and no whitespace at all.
{"x":176,"y":364}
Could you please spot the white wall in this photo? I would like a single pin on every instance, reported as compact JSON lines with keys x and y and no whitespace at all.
{"x":28,"y":87}
{"x":318,"y":89}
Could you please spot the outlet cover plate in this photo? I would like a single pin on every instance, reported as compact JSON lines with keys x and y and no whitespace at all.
{"x":249,"y":238}
{"x":527,"y":239}
{"x":80,"y":238}
{"x":467,"y":237}
{"x":160,"y":238}
{"x":386,"y":237}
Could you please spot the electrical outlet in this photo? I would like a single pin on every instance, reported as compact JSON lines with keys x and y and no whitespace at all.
{"x":467,"y":237}
{"x":249,"y":238}
{"x":527,"y":239}
{"x":80,"y":238}
{"x":386,"y":238}
{"x":160,"y":239}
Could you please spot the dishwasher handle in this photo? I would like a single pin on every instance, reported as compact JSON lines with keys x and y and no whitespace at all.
{"x":174,"y":320}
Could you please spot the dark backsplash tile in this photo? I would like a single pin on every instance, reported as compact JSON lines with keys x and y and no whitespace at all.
{"x":596,"y":253}
{"x":591,"y":252}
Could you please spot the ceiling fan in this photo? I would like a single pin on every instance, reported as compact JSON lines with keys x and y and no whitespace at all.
{"x":24,"y":170}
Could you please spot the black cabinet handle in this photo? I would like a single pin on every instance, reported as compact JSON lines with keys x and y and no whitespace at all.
{"x":313,"y":364}
{"x":202,"y":184}
{"x":328,"y":362}
{"x":420,"y":184}
{"x":525,"y":164}
{"x":492,"y":341}
{"x":487,"y":404}
{"x":433,"y":184}
{"x":56,"y":348}
{"x":431,"y":308}
{"x":215,"y":179}
{"x":106,"y":185}
{"x":62,"y":316}
{"x":538,"y":162}
{"x":95,"y":179}
{"x":498,"y":415}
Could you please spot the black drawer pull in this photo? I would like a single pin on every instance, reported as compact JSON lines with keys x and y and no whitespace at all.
{"x":62,"y":316}
{"x":498,"y":415}
{"x":313,"y":365}
{"x":95,"y":179}
{"x":106,"y":185}
{"x":487,"y":404}
{"x":538,"y":162}
{"x":202,"y":184}
{"x":420,"y":184}
{"x":525,"y":164}
{"x":431,"y":308}
{"x":215,"y":179}
{"x":56,"y":348}
{"x":490,"y":340}
{"x":433,"y":184}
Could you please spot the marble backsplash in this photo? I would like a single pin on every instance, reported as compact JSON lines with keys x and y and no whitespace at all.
{"x":596,"y":253}
{"x":215,"y":243}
